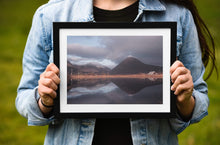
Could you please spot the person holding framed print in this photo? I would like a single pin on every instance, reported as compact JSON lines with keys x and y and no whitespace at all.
{"x":40,"y":79}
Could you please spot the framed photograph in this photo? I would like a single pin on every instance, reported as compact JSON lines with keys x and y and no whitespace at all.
{"x":114,"y":69}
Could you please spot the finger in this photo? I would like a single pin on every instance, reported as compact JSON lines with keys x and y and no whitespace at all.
{"x":53,"y":76}
{"x":188,"y":87}
{"x":179,"y":80}
{"x":179,"y":71}
{"x":179,"y":89}
{"x":184,"y":95}
{"x":49,"y":83}
{"x":52,"y":67}
{"x":45,"y":92}
{"x":42,"y":75}
{"x":175,"y":65}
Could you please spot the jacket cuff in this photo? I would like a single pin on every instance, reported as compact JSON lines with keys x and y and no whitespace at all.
{"x":199,"y":112}
{"x":35,"y":116}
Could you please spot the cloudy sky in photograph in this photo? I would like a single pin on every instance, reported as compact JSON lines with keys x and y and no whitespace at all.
{"x":111,"y":50}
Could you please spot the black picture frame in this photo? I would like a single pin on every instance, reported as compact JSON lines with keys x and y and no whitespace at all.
{"x":65,"y":30}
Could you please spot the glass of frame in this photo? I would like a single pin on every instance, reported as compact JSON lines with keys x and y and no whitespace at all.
{"x":114,"y":69}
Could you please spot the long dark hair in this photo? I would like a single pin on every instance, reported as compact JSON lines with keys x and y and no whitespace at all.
{"x":205,"y":38}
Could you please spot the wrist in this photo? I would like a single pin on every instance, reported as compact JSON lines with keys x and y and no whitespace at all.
{"x":45,"y":109}
{"x":46,"y":106}
{"x":186,"y":108}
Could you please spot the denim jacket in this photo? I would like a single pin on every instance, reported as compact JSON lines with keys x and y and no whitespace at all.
{"x":39,"y":53}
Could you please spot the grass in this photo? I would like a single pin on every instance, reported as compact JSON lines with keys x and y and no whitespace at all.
{"x":15,"y":22}
{"x":206,"y":131}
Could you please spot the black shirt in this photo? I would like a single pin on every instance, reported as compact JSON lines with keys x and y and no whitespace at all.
{"x":127,"y":14}
{"x":110,"y":131}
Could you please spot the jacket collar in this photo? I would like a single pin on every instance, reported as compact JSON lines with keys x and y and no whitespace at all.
{"x":82,"y":10}
{"x":151,"y":5}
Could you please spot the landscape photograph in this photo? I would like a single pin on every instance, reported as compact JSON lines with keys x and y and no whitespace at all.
{"x":114,"y":70}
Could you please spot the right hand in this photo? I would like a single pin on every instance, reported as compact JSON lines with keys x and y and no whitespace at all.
{"x":47,"y":86}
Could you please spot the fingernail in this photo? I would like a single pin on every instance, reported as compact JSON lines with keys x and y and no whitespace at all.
{"x":172,"y":88}
{"x":175,"y":93}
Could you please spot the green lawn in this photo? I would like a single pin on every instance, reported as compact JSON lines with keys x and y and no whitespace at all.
{"x":15,"y":22}
{"x":206,"y":132}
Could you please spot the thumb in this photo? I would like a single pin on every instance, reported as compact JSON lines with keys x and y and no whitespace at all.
{"x":52,"y":67}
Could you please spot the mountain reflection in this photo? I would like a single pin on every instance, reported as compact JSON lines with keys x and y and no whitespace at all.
{"x":132,"y":86}
{"x":115,"y":91}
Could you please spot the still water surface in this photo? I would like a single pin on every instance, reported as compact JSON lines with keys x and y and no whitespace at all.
{"x":115,"y":91}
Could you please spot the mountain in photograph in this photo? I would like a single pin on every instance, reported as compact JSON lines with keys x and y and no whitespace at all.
{"x":89,"y":69}
{"x":132,"y":65}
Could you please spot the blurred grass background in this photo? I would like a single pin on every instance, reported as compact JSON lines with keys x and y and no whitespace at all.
{"x":15,"y":23}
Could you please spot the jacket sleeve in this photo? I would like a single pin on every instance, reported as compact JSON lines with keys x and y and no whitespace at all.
{"x":190,"y":55}
{"x":35,"y":60}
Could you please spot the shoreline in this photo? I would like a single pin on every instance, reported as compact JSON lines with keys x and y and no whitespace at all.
{"x":130,"y":76}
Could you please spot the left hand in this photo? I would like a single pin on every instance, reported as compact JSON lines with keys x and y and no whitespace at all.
{"x":183,"y":88}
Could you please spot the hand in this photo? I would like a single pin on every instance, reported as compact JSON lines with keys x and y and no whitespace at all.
{"x":47,"y":86}
{"x":183,"y":88}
